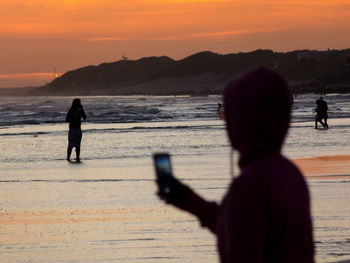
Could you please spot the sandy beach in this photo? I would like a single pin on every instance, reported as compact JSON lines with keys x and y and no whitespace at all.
{"x":115,"y":215}
{"x":336,"y":166}
{"x":88,"y":217}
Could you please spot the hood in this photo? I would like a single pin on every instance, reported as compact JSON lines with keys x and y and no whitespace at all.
{"x":257,"y":112}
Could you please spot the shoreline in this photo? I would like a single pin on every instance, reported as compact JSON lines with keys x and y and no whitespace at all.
{"x":149,"y":89}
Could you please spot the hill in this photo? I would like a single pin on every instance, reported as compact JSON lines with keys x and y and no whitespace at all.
{"x":204,"y":73}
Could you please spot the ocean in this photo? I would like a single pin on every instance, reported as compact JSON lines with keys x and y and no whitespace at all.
{"x":105,"y":209}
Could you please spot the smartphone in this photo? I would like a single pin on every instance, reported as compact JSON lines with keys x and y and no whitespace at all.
{"x":164,"y":173}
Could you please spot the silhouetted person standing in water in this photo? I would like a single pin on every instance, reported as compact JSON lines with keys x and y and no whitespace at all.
{"x":74,"y":116}
{"x":265,"y":215}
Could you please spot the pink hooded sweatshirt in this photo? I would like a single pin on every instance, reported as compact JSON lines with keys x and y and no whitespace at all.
{"x":265,"y":214}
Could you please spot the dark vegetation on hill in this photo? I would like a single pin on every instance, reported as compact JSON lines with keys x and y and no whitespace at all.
{"x":204,"y":73}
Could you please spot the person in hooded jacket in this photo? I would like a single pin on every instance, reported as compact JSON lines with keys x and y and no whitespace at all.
{"x":74,"y":116}
{"x":265,"y":214}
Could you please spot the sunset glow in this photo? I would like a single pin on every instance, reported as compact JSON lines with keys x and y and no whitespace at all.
{"x":72,"y":33}
{"x":27,"y":75}
{"x":26,"y":79}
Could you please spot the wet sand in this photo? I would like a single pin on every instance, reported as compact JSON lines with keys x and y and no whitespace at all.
{"x":336,"y":166}
{"x":97,"y":211}
{"x":116,"y":217}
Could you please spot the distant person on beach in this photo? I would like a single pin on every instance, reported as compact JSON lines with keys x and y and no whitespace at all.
{"x":265,"y":214}
{"x":74,"y":116}
{"x":321,"y":113}
{"x":318,"y":116}
{"x":221,"y":111}
{"x":324,"y":111}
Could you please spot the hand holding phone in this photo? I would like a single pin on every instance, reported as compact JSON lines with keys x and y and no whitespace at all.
{"x":171,"y":190}
{"x":164,"y":174}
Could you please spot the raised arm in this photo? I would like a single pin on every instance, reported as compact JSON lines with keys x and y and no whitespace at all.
{"x":83,"y":115}
{"x":68,"y":116}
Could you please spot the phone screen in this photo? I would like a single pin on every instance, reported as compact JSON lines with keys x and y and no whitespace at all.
{"x":163,"y":171}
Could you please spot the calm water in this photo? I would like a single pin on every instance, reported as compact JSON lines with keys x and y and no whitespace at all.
{"x":105,"y":210}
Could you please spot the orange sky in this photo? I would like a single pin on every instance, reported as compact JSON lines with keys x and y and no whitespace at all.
{"x":37,"y":36}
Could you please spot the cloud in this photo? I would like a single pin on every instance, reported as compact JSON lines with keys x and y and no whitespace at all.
{"x":109,"y":20}
{"x":216,"y":34}
{"x":102,"y":39}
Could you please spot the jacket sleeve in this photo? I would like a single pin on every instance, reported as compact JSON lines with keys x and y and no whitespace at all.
{"x":185,"y":198}
{"x":205,"y":211}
